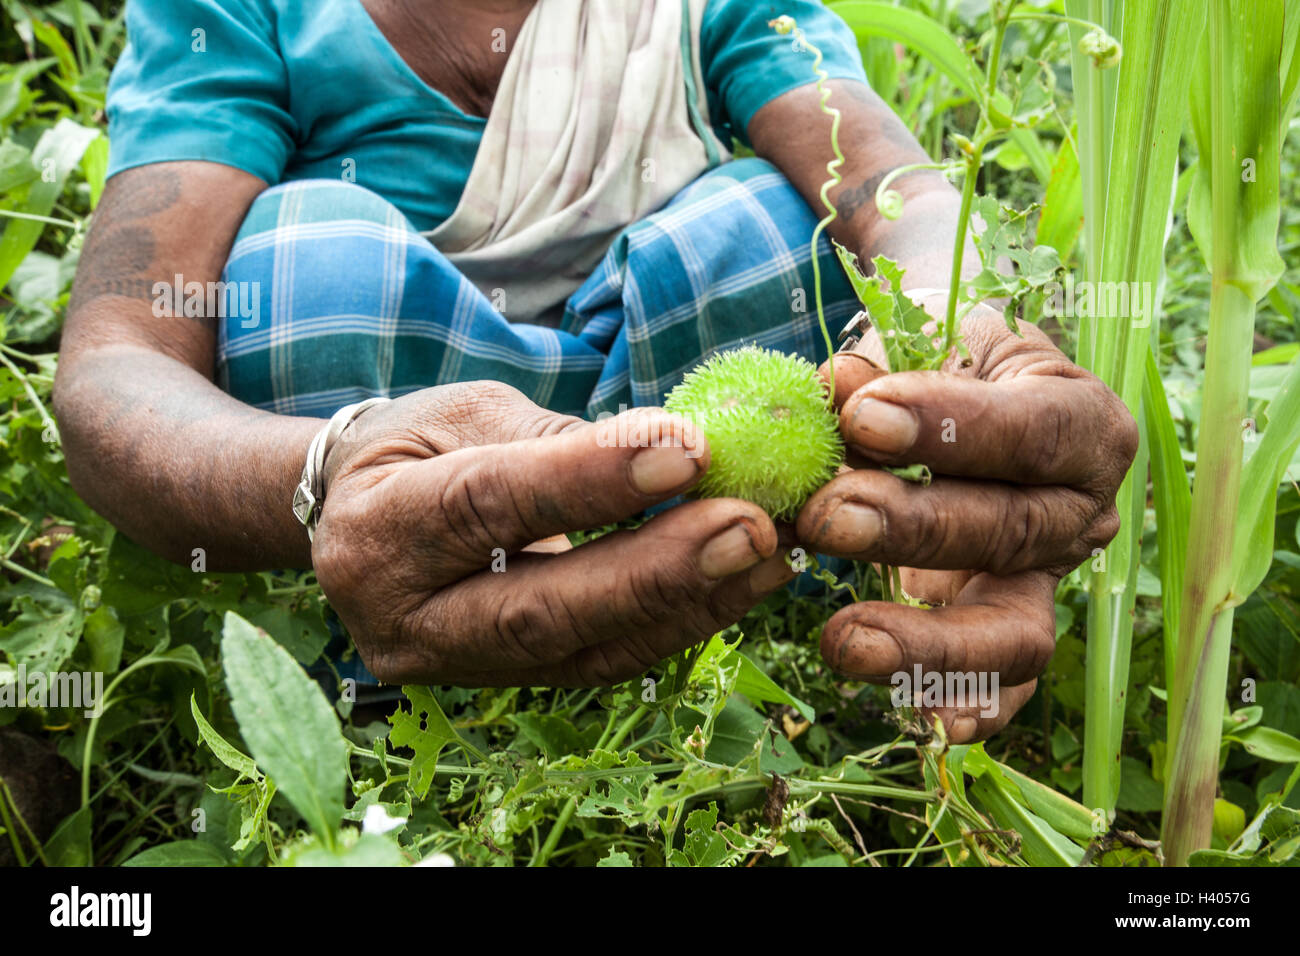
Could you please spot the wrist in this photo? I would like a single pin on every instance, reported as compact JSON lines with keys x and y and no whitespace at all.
{"x":309,"y":496}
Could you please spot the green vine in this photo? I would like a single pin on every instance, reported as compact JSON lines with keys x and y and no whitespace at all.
{"x":786,"y":25}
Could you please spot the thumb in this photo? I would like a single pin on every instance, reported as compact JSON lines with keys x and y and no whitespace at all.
{"x":510,"y":494}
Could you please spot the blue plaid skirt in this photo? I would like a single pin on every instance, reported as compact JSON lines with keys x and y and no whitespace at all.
{"x":352,"y":302}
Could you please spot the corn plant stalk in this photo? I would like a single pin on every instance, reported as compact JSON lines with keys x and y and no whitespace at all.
{"x":1239,"y":90}
{"x":1127,"y":161}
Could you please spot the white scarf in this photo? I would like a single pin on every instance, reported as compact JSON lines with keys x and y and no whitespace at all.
{"x":592,"y":128}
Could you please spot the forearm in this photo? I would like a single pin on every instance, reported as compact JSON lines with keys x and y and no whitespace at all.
{"x":874,"y":142}
{"x":177,"y":464}
{"x":151,"y":443}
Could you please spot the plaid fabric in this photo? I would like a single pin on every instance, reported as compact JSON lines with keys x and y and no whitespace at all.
{"x":353,"y":302}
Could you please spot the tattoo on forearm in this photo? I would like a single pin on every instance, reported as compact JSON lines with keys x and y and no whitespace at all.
{"x":150,"y":190}
{"x":120,"y":252}
{"x":852,"y":199}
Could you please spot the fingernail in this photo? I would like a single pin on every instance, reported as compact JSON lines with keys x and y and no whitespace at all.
{"x":962,"y":730}
{"x":883,"y":427}
{"x":850,"y":528}
{"x":771,"y":574}
{"x":873,"y":653}
{"x":658,"y":470}
{"x":727,"y":553}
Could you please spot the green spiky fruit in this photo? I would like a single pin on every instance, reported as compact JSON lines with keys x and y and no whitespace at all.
{"x":772,"y":439}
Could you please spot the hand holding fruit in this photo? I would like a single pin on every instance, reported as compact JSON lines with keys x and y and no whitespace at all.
{"x":423,"y":546}
{"x":1027,"y":450}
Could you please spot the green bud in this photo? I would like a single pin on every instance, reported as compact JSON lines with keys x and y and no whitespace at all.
{"x":1102,"y":47}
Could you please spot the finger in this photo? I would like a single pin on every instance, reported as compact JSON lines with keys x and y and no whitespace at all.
{"x":953,"y":524}
{"x":982,"y":718}
{"x":1066,"y":429}
{"x":676,"y":580}
{"x":852,"y":371}
{"x":472,"y":506}
{"x":1003,"y":625}
{"x":624,"y":658}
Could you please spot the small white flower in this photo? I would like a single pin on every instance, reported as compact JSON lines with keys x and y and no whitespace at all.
{"x":378,"y":821}
{"x":436,"y":859}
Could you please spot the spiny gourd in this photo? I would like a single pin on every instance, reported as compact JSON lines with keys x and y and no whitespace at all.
{"x":773,"y":440}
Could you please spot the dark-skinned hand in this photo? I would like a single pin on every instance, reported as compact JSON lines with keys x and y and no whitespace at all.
{"x":429,"y":492}
{"x":1027,"y":450}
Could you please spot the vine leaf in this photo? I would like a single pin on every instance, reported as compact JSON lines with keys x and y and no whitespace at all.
{"x":426,"y":730}
{"x":906,"y":330}
{"x":999,"y":237}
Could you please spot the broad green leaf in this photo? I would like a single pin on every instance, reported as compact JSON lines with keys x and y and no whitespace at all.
{"x":41,"y":637}
{"x":16,"y":98}
{"x":94,"y":164}
{"x":58,"y":151}
{"x":615,"y":858}
{"x":1139,"y":791}
{"x":135,"y":580}
{"x":751,"y":681}
{"x":1056,"y":809}
{"x":301,"y":630}
{"x":736,"y":732}
{"x":16,"y":167}
{"x":1268,"y":631}
{"x":104,"y":635}
{"x":916,"y":31}
{"x":70,"y":844}
{"x":1269,"y":744}
{"x":1040,"y":843}
{"x":1229,"y":820}
{"x":1280,"y":703}
{"x":179,"y":853}
{"x":554,"y":736}
{"x":291,"y":730}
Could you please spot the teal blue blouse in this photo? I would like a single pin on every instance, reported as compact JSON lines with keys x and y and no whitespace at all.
{"x":303,"y":89}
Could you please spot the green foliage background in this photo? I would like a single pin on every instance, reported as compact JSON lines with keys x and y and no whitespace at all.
{"x":216,"y":748}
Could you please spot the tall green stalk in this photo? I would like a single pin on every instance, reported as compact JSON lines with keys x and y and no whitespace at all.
{"x":1234,"y":213}
{"x":1127,"y":162}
